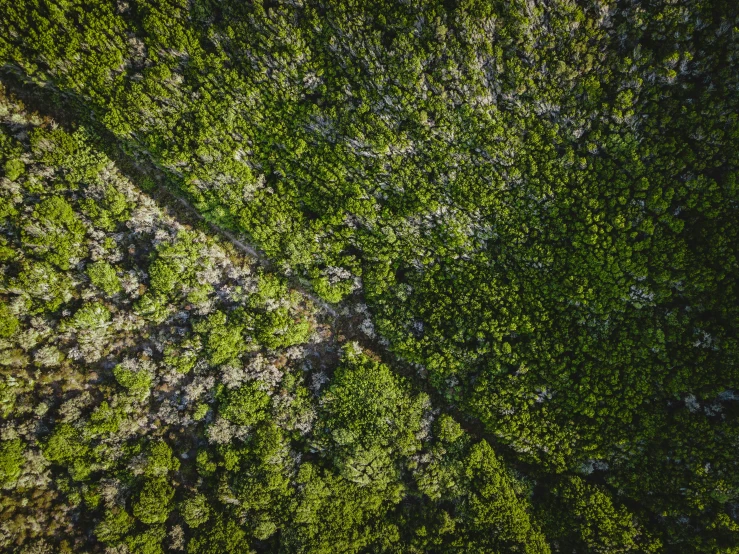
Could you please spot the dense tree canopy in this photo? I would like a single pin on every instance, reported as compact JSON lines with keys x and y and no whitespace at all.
{"x":525,"y":213}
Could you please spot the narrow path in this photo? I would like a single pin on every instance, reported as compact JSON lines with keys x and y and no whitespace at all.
{"x":254,"y":252}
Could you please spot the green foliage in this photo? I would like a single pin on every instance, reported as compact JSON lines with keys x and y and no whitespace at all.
{"x":334,"y":514}
{"x":223,"y":337}
{"x":53,"y":147}
{"x":137,"y":382}
{"x":195,"y":510}
{"x":7,"y":210}
{"x":270,"y":287}
{"x":91,"y":316}
{"x":8,"y":391}
{"x":114,"y":526}
{"x":245,"y":405}
{"x":201,"y":410}
{"x":371,"y":419}
{"x":148,"y":541}
{"x":331,"y":292}
{"x":278,"y":329}
{"x":104,"y":420}
{"x":222,"y":536}
{"x":492,"y":503}
{"x":154,"y":501}
{"x":160,"y":460}
{"x":182,"y":361}
{"x":11,"y":461}
{"x":46,"y":287}
{"x":55,"y":232}
{"x":103,"y":276}
{"x":153,"y":308}
{"x":8,"y":321}
{"x":14,"y":169}
{"x":262,"y":481}
{"x":177,"y":265}
{"x":107,"y":209}
{"x":448,"y":430}
{"x":583,"y":517}
{"x":205,"y":465}
{"x":65,"y":445}
{"x":538,"y":201}
{"x":163,"y":277}
{"x":71,"y":153}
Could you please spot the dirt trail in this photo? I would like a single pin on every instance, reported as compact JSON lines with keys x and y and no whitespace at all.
{"x":254,"y":252}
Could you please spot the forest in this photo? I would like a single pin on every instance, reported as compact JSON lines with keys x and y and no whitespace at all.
{"x":311,"y":276}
